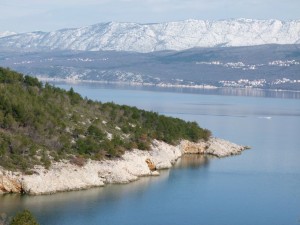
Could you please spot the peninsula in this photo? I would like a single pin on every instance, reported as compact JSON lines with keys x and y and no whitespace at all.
{"x":54,"y":140}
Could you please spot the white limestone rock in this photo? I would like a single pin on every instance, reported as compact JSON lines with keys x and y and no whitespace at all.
{"x":65,"y":176}
{"x":222,"y":148}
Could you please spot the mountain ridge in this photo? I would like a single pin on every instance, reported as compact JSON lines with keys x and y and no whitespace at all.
{"x":6,"y":33}
{"x":159,"y":36}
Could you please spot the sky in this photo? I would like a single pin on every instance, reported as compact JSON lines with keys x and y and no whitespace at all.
{"x":48,"y":15}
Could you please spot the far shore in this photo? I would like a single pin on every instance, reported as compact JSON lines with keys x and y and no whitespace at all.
{"x":163,"y":85}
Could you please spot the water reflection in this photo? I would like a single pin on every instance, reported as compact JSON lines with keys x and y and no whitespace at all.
{"x":12,"y":202}
{"x":192,"y":161}
{"x":93,"y":198}
{"x":259,"y":93}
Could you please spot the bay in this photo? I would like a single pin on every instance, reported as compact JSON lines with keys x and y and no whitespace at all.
{"x":260,"y":186}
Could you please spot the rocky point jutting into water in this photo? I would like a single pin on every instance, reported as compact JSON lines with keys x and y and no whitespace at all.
{"x":65,"y":176}
{"x":54,"y":140}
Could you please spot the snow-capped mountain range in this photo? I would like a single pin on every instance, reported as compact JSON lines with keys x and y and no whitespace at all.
{"x":161,"y":36}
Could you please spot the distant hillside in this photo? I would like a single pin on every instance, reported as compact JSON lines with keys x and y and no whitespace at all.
{"x":41,"y":123}
{"x":158,"y":37}
{"x":264,"y":66}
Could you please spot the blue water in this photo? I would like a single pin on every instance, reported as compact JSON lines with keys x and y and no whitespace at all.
{"x":261,"y":186}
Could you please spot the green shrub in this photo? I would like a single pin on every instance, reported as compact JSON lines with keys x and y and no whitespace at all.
{"x":95,"y":132}
{"x":24,"y":218}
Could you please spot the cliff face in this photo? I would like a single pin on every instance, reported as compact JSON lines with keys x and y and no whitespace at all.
{"x":64,"y":176}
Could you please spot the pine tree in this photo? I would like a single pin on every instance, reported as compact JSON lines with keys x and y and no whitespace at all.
{"x":24,"y":218}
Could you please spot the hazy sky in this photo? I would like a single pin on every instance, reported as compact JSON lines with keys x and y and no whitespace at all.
{"x":46,"y":15}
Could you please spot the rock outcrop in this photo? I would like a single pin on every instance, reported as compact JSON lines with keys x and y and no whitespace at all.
{"x":65,"y":176}
{"x":151,"y":165}
{"x":193,"y":148}
{"x":214,"y":146}
{"x":221,"y":148}
{"x":9,"y":185}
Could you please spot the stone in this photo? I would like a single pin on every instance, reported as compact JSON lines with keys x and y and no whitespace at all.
{"x":8,"y":185}
{"x":150,"y":164}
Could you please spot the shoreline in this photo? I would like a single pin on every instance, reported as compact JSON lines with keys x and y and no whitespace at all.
{"x":160,"y":85}
{"x":64,"y":176}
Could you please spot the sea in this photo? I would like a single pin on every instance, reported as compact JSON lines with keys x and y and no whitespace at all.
{"x":261,"y":186}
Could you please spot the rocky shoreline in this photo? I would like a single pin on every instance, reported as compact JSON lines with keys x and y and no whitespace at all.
{"x":65,"y":176}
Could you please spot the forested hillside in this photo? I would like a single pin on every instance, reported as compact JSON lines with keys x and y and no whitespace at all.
{"x":40,"y":124}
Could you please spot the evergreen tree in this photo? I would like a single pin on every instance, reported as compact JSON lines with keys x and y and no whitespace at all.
{"x":24,"y":218}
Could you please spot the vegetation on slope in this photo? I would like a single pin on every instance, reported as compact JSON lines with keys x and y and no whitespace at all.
{"x":42,"y":123}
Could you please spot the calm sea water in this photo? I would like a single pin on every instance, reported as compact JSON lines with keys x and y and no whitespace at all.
{"x":259,"y":187}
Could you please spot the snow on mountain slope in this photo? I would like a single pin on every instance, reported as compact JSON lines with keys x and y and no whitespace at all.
{"x":164,"y":36}
{"x":6,"y":33}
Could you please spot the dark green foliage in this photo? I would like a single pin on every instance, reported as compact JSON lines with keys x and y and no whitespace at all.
{"x":24,"y":218}
{"x":31,"y":81}
{"x":75,"y":98}
{"x":86,"y":146}
{"x":95,"y":132}
{"x":40,"y":124}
